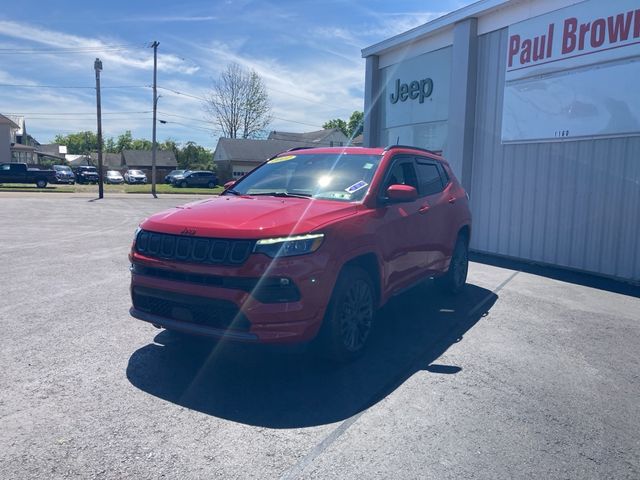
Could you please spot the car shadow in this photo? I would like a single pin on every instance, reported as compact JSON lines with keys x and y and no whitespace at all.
{"x":284,"y":388}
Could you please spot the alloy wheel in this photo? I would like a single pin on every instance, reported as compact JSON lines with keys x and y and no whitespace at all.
{"x":355,"y":315}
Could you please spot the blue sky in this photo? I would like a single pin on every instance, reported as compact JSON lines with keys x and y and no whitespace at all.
{"x":307,"y":52}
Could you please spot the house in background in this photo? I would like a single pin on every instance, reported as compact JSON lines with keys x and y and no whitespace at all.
{"x":7,"y":136}
{"x":235,"y":157}
{"x":141,"y":160}
{"x":320,"y":138}
{"x":51,"y":152}
{"x":110,"y":161}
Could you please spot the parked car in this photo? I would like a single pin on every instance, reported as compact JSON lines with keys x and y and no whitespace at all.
{"x":113,"y":177}
{"x":135,"y":176}
{"x":305,"y":247}
{"x":196,"y":178}
{"x":20,"y":173}
{"x":173,"y":173}
{"x":86,"y":174}
{"x":64,"y":174}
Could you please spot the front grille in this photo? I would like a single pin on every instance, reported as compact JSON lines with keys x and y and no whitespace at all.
{"x":193,"y":249}
{"x":208,"y":312}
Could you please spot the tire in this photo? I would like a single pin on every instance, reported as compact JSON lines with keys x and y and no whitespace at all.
{"x":183,"y":184}
{"x":72,"y":183}
{"x":349,"y":317}
{"x":211,"y":185}
{"x":456,"y":277}
{"x":41,"y":183}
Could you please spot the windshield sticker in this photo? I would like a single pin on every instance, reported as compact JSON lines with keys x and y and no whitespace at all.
{"x":368,"y":166}
{"x":282,"y":159}
{"x":356,"y":186}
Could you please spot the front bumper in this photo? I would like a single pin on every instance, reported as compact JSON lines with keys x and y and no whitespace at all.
{"x":65,"y":180}
{"x":249,"y":320}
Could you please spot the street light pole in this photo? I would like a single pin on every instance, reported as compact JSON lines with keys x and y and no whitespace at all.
{"x":97,"y":65}
{"x":154,"y":146}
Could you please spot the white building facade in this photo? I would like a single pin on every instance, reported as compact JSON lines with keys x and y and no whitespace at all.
{"x":536,"y":105}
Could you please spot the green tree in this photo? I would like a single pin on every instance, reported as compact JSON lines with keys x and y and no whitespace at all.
{"x":356,"y":124}
{"x":337,"y":123}
{"x":109,"y":145}
{"x":141,"y":144}
{"x":124,"y":141}
{"x":170,"y":145}
{"x":79,"y":143}
{"x":194,"y":157}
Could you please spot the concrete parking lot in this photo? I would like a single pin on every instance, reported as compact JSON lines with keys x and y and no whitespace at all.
{"x":521,"y":376}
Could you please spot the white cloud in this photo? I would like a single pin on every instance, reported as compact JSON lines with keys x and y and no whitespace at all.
{"x":129,"y":56}
{"x":171,"y":18}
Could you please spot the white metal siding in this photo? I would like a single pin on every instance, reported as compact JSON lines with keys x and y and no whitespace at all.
{"x":574,"y":203}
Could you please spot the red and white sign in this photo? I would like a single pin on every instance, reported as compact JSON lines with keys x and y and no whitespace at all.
{"x":573,"y":74}
{"x":583,"y":34}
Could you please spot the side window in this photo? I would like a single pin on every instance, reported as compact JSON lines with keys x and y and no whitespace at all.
{"x":403,"y":173}
{"x":430,"y":180}
{"x":5,"y":167}
{"x":443,"y":174}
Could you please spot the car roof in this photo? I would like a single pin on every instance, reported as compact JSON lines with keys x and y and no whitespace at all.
{"x":361,"y":151}
{"x":364,"y":151}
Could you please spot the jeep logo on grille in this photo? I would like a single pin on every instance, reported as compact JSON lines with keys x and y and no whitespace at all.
{"x":188,"y":231}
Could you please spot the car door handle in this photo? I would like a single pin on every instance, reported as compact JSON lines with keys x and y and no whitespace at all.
{"x":452,"y":199}
{"x":424,"y":209}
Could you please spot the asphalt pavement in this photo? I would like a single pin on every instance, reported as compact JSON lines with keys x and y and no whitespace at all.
{"x":523,"y":375}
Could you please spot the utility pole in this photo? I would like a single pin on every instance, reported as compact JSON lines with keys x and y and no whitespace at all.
{"x":154,"y":146}
{"x":97,"y":65}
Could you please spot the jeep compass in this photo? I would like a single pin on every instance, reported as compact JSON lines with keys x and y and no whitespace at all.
{"x":305,"y":247}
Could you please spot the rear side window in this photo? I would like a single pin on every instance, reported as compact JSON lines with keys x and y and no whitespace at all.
{"x":429,"y":178}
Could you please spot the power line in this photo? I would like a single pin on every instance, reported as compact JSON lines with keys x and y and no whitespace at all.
{"x":204,"y":100}
{"x":48,"y":51}
{"x":191,"y":126}
{"x":87,"y":118}
{"x":208,"y":122}
{"x":22,"y":85}
{"x":73,"y":113}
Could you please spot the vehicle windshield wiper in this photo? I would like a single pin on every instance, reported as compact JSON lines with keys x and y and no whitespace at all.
{"x":284,"y":194}
{"x":232,"y":192}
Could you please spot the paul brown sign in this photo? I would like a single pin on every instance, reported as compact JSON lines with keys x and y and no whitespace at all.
{"x":574,"y":33}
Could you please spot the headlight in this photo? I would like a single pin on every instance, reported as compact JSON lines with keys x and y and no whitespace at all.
{"x":135,"y":235}
{"x":289,"y":246}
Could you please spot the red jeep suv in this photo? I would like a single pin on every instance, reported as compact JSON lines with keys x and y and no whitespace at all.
{"x":307,"y":246}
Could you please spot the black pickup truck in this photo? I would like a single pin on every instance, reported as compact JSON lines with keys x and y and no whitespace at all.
{"x":19,"y":173}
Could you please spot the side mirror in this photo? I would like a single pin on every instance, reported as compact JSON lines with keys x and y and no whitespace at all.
{"x":401,"y":193}
{"x":229,"y":184}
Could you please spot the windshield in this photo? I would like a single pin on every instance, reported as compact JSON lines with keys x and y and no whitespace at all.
{"x":176,"y":172}
{"x":89,"y":169}
{"x":113,"y":173}
{"x":135,"y":172}
{"x":323,"y":176}
{"x":61,"y":168}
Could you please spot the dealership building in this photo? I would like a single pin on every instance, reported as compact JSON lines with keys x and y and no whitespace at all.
{"x":536,"y":105}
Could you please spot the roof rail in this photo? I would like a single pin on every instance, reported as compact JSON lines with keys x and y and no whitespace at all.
{"x":298,"y":148}
{"x":433,"y":152}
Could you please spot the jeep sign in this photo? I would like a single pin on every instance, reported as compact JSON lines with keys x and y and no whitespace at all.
{"x":416,"y":89}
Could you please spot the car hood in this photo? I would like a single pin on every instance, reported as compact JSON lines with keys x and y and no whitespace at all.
{"x":249,"y":217}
